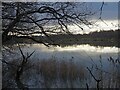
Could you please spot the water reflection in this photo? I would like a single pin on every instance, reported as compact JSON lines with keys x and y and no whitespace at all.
{"x":77,"y":51}
{"x":75,"y":48}
{"x":81,"y":54}
{"x":88,"y":48}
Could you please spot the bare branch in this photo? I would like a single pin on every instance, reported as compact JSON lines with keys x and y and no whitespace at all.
{"x":21,"y":52}
{"x":97,"y":80}
{"x":30,"y":55}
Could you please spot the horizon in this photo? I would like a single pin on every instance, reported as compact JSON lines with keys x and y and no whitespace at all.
{"x":109,"y":16}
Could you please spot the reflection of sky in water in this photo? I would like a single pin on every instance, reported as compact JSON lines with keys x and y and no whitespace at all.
{"x":81,"y":54}
{"x":75,"y":48}
{"x":78,"y":52}
{"x":89,"y":48}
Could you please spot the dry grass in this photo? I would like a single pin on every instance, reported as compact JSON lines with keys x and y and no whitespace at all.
{"x":52,"y":71}
{"x":48,"y":69}
{"x":63,"y":70}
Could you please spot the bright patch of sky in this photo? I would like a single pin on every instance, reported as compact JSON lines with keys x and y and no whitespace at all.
{"x":100,"y":26}
{"x":109,"y":16}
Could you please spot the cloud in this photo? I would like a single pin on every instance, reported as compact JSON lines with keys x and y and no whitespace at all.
{"x":99,"y":25}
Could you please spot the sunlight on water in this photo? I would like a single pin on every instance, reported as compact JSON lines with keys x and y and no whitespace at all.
{"x":86,"y":48}
{"x":78,"y":52}
{"x":89,"y":48}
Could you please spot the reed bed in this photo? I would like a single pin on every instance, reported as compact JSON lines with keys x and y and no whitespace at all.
{"x":55,"y":73}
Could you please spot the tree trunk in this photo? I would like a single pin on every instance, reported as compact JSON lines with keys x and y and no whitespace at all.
{"x":5,"y":36}
{"x":19,"y":72}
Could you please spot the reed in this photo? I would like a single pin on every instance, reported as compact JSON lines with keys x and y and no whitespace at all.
{"x":63,"y":73}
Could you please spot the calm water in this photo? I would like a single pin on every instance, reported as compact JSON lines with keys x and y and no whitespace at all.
{"x":80,"y":54}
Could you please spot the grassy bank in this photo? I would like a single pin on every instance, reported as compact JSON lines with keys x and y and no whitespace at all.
{"x":55,"y":73}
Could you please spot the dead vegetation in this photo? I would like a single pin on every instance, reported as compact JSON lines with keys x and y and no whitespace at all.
{"x":60,"y":73}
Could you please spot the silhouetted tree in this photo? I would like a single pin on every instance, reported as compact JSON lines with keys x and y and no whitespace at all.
{"x":37,"y":18}
{"x":30,"y":18}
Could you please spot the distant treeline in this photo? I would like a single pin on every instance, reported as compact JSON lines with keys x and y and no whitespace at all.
{"x":102,"y":34}
{"x":102,"y":38}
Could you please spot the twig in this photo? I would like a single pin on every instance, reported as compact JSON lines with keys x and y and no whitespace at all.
{"x":87,"y":86}
{"x":97,"y":80}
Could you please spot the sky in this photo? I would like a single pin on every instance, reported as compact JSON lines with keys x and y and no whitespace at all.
{"x":110,"y":10}
{"x":109,"y":15}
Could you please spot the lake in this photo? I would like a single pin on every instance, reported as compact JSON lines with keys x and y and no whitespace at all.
{"x":83,"y":56}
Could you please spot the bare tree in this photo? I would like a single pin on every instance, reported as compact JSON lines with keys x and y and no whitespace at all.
{"x":19,"y":68}
{"x":28,"y":18}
